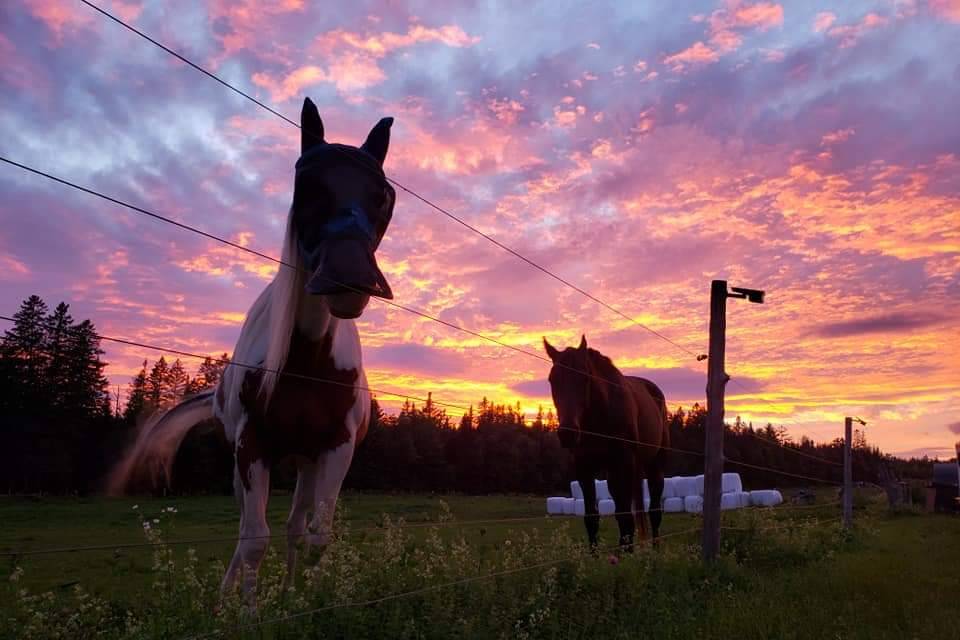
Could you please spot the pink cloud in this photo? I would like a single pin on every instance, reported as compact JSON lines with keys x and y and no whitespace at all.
{"x":12,"y":269}
{"x":506,"y":110}
{"x":849,"y":34}
{"x":948,"y":9}
{"x":837,"y":136}
{"x":58,"y":17}
{"x":736,"y":15}
{"x":824,"y":21}
{"x":353,"y":59}
{"x":380,"y":45}
{"x":292,"y":84}
{"x":696,"y":54}
{"x":762,"y":15}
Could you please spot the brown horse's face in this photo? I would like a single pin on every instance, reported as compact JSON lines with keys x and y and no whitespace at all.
{"x":570,"y":387}
{"x":342,"y":204}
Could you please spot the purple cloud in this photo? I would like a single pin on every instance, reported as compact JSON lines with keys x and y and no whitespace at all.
{"x":884,"y":323}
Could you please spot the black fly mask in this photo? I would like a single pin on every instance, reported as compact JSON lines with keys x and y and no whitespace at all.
{"x":342,"y":205}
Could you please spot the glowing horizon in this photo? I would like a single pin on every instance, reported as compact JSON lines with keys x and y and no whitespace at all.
{"x":639,"y":152}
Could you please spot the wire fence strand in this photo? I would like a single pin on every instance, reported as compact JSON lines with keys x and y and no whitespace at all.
{"x":393,"y":181}
{"x":391,"y":303}
{"x":421,"y":590}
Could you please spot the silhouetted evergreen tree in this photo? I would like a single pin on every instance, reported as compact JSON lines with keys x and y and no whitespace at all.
{"x":137,"y":398}
{"x":25,"y":357}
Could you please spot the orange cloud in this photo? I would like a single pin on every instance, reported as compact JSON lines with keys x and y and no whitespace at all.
{"x":380,"y":45}
{"x":736,"y":15}
{"x":696,"y":54}
{"x":292,"y":84}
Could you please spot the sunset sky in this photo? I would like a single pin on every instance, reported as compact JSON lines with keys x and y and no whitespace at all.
{"x":637,"y":149}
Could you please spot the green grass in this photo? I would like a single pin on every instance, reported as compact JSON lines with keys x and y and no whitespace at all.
{"x":791,"y":574}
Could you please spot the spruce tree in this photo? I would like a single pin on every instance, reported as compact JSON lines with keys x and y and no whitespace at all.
{"x":57,"y":327}
{"x":156,"y":384}
{"x":25,"y":358}
{"x":137,"y":400}
{"x":86,"y":391}
{"x":175,"y":386}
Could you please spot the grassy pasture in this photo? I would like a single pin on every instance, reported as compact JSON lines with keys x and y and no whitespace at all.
{"x":789,"y":574}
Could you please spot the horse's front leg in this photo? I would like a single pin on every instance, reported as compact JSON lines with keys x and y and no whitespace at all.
{"x":332,"y":468}
{"x":623,"y":491}
{"x":304,"y":499}
{"x":591,"y":517}
{"x":253,"y":476}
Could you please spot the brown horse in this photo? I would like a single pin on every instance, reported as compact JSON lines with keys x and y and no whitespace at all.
{"x":613,"y":424}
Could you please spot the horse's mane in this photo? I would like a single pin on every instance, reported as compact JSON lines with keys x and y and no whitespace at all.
{"x":285,"y":291}
{"x":602,"y":367}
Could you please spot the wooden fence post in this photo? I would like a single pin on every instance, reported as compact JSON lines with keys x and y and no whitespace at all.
{"x":847,"y":474}
{"x":713,"y":448}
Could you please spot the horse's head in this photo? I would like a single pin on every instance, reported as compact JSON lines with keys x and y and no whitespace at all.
{"x":342,"y":204}
{"x":570,"y":387}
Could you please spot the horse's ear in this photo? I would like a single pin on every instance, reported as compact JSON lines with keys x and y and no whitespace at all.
{"x":551,"y":351}
{"x":583,"y":343}
{"x":378,"y":140}
{"x":311,"y":126}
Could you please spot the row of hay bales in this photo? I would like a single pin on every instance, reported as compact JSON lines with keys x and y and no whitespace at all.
{"x":680,"y":494}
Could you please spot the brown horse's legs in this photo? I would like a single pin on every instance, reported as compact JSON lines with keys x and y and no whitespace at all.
{"x":591,"y":516}
{"x":623,"y":492}
{"x":655,"y":484}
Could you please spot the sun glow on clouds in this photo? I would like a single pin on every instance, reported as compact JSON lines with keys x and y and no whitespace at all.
{"x":790,"y":147}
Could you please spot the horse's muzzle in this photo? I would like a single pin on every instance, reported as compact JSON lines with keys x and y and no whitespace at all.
{"x":346,"y":271}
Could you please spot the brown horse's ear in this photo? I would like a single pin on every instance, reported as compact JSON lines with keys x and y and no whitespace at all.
{"x":583,"y":343}
{"x":551,"y":351}
{"x":311,"y":126}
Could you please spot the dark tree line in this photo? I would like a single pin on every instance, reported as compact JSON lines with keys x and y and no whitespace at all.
{"x":54,"y":404}
{"x":166,"y":384}
{"x":61,"y":435}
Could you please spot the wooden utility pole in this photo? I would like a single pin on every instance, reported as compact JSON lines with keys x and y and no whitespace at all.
{"x":847,"y":473}
{"x":716,"y":383}
{"x":848,"y":470}
{"x":713,"y":448}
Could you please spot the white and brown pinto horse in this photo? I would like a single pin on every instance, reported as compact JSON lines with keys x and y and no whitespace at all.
{"x":299,"y":332}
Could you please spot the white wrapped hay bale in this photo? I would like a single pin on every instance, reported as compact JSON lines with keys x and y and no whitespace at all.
{"x":730,"y":501}
{"x":693,"y":504}
{"x":668,"y":488}
{"x":765,"y":498}
{"x":744,"y":497}
{"x":673,"y":505}
{"x":603,"y":490}
{"x":731,"y":483}
{"x":684,"y":486}
{"x":555,"y":506}
{"x":698,"y":483}
{"x":607,"y":507}
{"x":579,"y":508}
{"x":569,"y":506}
{"x":576,"y":491}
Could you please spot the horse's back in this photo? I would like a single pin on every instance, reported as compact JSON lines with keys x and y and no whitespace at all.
{"x":651,"y":388}
{"x":652,"y":409}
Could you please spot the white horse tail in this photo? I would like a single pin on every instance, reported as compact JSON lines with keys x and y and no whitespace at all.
{"x":155,"y":448}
